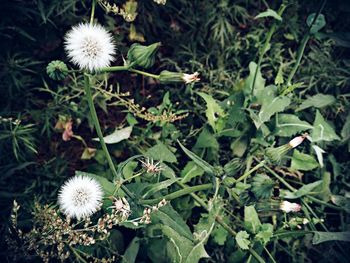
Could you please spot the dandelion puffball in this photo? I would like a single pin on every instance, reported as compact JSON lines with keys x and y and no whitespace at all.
{"x":90,"y":47}
{"x":80,"y":197}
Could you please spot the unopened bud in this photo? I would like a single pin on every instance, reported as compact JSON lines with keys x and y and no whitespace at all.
{"x":143,"y":56}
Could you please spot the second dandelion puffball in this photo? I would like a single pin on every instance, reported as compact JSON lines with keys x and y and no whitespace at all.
{"x":90,"y":47}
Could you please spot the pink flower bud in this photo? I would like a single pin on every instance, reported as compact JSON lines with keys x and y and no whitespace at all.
{"x":296,"y":141}
{"x":189,"y":78}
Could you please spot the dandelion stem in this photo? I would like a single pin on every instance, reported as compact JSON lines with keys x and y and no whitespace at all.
{"x":144,"y":73}
{"x":92,"y":11}
{"x":245,"y":175}
{"x":99,"y":133}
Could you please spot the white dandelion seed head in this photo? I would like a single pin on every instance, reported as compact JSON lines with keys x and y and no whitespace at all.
{"x":89,"y":46}
{"x":80,"y":197}
{"x":288,"y":207}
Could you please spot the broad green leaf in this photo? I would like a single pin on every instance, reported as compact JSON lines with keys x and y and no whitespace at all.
{"x":117,"y":135}
{"x":320,"y":237}
{"x":242,"y":239}
{"x":288,"y":125}
{"x":269,"y":13}
{"x":220,"y":235}
{"x":278,"y":104}
{"x":318,"y":24}
{"x":213,"y":111}
{"x":168,"y":216}
{"x":162,"y":153}
{"x":322,"y":130}
{"x":128,"y":169}
{"x":265,"y":233}
{"x":199,"y":161}
{"x":304,"y":190}
{"x":132,"y":251}
{"x":190,"y":171}
{"x":157,"y":187}
{"x":317,"y":101}
{"x":303,"y":162}
{"x":324,"y":189}
{"x":251,"y":219}
{"x":206,"y":140}
{"x":259,"y":81}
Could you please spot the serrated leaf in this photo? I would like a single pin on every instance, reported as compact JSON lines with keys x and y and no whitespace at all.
{"x":161,"y":152}
{"x":320,"y":237}
{"x":288,"y":125}
{"x":304,"y":190}
{"x":322,"y":131}
{"x":269,"y":13}
{"x":213,"y":111}
{"x":317,"y":101}
{"x":251,"y":219}
{"x":303,"y":162}
{"x":190,"y":171}
{"x":265,"y":233}
{"x":117,"y":135}
{"x":318,"y":24}
{"x":242,"y":240}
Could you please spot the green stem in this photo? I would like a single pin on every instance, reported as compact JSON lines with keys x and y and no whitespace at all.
{"x":245,"y":175}
{"x":177,"y":194}
{"x":299,"y":57}
{"x":144,"y":73}
{"x":113,"y":69}
{"x":266,"y":44}
{"x":92,"y":11}
{"x":99,"y":132}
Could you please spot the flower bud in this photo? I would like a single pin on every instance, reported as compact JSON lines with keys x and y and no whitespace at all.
{"x":166,"y":77}
{"x":143,"y":56}
{"x":275,"y":155}
{"x":297,"y":141}
{"x":57,"y":70}
{"x":232,"y":167}
{"x":288,"y":207}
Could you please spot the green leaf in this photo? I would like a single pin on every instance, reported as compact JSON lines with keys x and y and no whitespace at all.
{"x":278,"y":104}
{"x":149,"y":191}
{"x":317,"y":101}
{"x":162,"y":153}
{"x":322,"y":130}
{"x":320,"y":237}
{"x":132,"y":251}
{"x":242,"y":240}
{"x":265,"y":233}
{"x":304,"y":190}
{"x":251,"y":219}
{"x":117,"y":135}
{"x":269,"y":13}
{"x":213,"y":111}
{"x":318,"y":24}
{"x":324,"y":189}
{"x":303,"y":162}
{"x":190,"y":171}
{"x":168,"y":216}
{"x":341,"y":201}
{"x":206,"y":140}
{"x":259,"y":81}
{"x":199,"y":161}
{"x":128,"y":169}
{"x":288,"y":125}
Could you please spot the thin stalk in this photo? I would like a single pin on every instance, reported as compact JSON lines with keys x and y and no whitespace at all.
{"x":246,"y":174}
{"x":177,"y":194}
{"x":112,"y":69}
{"x":266,"y":44}
{"x":92,"y":11}
{"x":301,"y":49}
{"x":144,"y":73}
{"x":99,"y":133}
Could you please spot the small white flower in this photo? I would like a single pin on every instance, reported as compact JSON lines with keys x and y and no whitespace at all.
{"x":288,"y":207}
{"x":189,"y":78}
{"x":89,"y":46}
{"x":80,"y":197}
